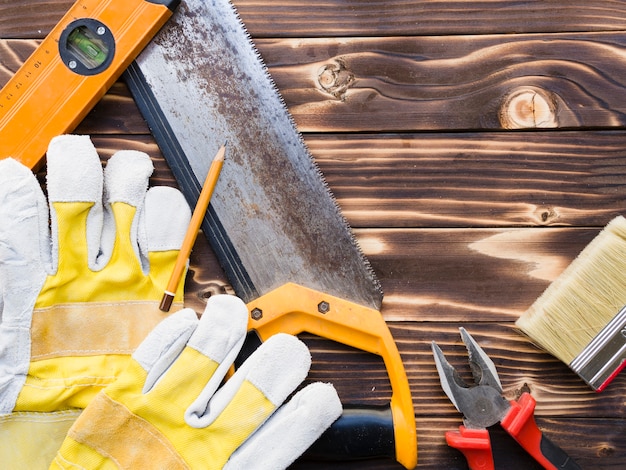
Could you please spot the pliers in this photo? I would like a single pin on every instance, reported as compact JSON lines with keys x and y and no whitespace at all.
{"x":483,"y":405}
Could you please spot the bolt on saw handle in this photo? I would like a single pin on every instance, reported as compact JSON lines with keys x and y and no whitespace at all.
{"x":295,"y":309}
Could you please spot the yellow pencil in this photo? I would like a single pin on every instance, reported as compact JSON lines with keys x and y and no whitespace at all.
{"x":194,"y":227}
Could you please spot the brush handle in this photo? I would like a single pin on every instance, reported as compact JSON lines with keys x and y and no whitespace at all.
{"x":520,"y":423}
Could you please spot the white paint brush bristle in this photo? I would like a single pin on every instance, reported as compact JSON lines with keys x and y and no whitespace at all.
{"x":579,"y":318}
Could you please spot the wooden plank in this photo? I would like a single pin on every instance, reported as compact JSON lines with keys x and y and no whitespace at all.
{"x":453,"y":82}
{"x":334,"y":18}
{"x":467,"y":275}
{"x":443,"y":274}
{"x":432,"y":180}
{"x":13,"y":53}
{"x":475,"y":179}
{"x":437,"y":83}
{"x":30,"y":19}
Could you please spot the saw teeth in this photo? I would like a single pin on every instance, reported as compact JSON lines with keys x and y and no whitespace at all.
{"x":272,"y":209}
{"x":371,"y":273}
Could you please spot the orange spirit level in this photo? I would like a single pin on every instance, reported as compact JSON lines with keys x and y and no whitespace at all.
{"x":72,"y":69}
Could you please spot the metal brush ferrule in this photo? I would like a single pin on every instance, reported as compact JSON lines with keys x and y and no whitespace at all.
{"x":602,"y":359}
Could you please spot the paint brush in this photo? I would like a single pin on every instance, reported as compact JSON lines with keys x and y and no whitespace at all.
{"x":581,"y":316}
{"x":192,"y":230}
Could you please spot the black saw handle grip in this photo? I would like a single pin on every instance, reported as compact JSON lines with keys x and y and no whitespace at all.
{"x":360,"y":433}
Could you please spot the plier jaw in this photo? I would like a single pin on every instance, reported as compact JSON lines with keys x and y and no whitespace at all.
{"x":483,"y":405}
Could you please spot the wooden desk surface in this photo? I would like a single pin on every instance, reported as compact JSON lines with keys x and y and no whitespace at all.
{"x":413,"y":110}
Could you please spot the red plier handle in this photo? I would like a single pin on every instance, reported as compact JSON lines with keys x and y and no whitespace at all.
{"x":520,"y":423}
{"x":475,"y":445}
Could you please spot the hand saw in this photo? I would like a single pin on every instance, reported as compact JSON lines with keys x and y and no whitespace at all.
{"x":71,"y":70}
{"x":273,"y":223}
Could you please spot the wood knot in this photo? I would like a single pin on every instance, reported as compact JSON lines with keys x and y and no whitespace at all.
{"x":605,"y":450}
{"x":523,"y":389}
{"x":547,"y":215}
{"x":335,"y":79}
{"x":213,"y":288}
{"x":528,"y":107}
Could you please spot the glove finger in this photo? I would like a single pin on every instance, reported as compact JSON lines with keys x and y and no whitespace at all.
{"x":75,"y":175}
{"x":125,"y":185}
{"x":199,"y":369}
{"x":290,"y":431}
{"x":163,"y":344}
{"x":163,"y":222}
{"x":126,"y":177}
{"x":24,"y":238}
{"x":263,"y":382}
{"x":219,"y":337}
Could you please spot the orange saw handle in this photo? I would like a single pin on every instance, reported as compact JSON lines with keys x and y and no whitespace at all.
{"x":294,"y":309}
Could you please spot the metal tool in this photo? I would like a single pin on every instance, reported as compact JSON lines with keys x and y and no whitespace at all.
{"x":272,"y":222}
{"x":71,"y":70}
{"x":483,"y":405}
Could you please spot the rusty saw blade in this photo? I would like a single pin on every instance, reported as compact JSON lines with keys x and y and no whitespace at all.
{"x":272,"y":217}
{"x":272,"y":222}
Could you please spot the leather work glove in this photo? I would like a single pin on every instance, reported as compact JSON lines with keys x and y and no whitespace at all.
{"x":167,"y":409}
{"x":80,"y":286}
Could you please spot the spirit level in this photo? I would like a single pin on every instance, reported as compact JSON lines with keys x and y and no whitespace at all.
{"x":72,"y":69}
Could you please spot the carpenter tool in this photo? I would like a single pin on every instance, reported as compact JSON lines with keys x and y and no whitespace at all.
{"x":581,"y":317}
{"x":272,"y":222}
{"x":73,"y":67}
{"x":483,"y":405}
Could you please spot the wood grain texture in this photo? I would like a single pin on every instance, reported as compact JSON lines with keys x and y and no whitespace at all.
{"x":430,"y":180}
{"x":465,"y":218}
{"x":447,"y":83}
{"x":30,"y":20}
{"x":475,"y":179}
{"x":467,"y":274}
{"x":334,"y":18}
{"x":439,"y":83}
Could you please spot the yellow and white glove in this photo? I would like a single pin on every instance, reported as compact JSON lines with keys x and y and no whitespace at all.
{"x":80,"y":284}
{"x":170,"y":410}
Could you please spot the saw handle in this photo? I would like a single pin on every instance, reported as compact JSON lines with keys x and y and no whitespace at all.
{"x":360,"y":433}
{"x":294,"y":309}
{"x":520,"y":423}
